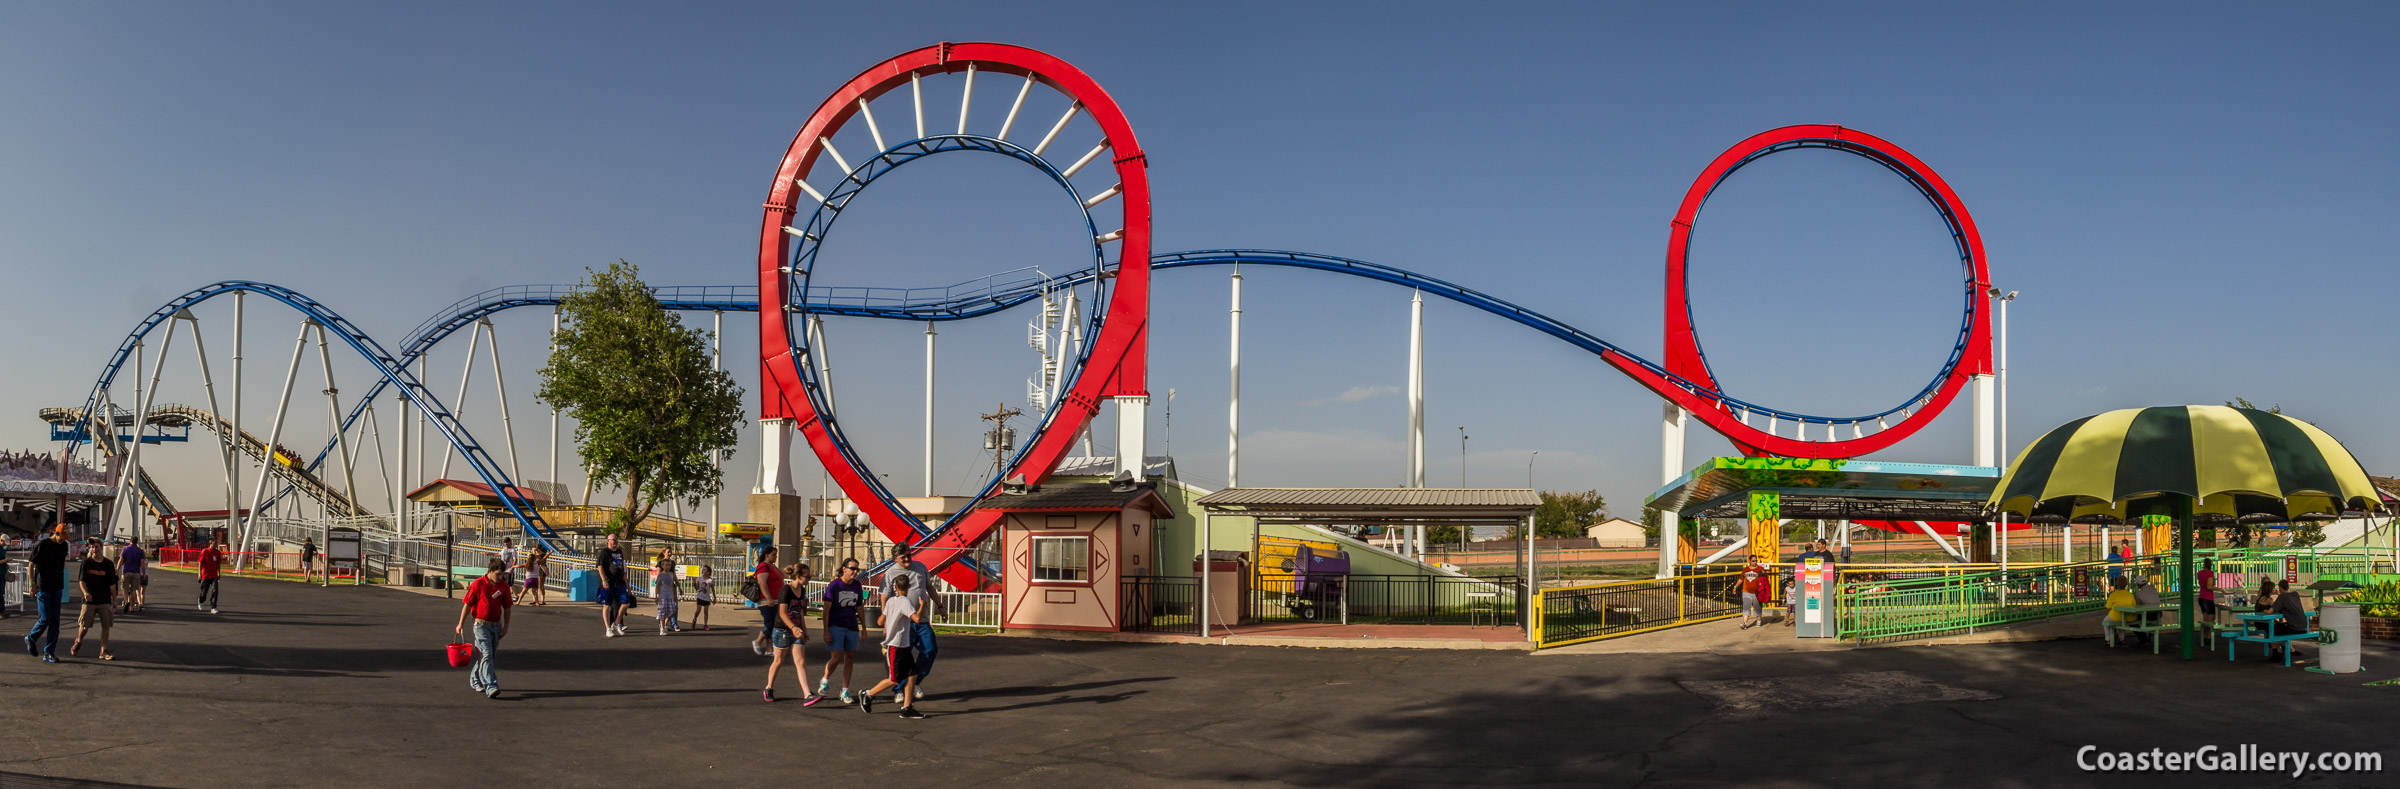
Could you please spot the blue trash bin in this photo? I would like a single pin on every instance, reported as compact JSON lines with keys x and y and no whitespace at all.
{"x":583,"y":586}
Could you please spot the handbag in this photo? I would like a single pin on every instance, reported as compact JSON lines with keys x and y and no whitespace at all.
{"x":460,"y":654}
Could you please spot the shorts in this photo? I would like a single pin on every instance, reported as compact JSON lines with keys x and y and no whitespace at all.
{"x":615,"y":596}
{"x":783,"y":638}
{"x":1750,"y":607}
{"x":702,"y":602}
{"x":532,"y":581}
{"x":102,"y":614}
{"x":132,"y":582}
{"x":901,"y":662}
{"x":841,"y":639}
{"x":2208,"y":607}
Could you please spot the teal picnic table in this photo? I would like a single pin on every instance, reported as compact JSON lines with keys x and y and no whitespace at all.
{"x":2136,"y":620}
{"x":2265,"y":637}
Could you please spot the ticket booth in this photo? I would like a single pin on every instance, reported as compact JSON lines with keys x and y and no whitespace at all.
{"x":1066,"y":548}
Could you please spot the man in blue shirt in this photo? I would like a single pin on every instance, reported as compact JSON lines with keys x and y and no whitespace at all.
{"x":133,"y":570}
{"x":843,"y":597}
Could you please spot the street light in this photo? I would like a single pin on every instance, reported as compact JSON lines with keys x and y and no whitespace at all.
{"x":1529,"y":467}
{"x":1462,"y":456}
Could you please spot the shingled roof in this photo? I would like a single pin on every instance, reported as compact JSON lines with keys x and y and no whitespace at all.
{"x":1081,"y":497}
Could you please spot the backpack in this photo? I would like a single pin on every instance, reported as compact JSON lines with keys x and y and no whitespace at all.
{"x":749,"y":589}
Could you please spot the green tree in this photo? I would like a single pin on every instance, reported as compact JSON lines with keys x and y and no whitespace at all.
{"x":651,"y":414}
{"x":1650,"y":523}
{"x":1563,"y":515}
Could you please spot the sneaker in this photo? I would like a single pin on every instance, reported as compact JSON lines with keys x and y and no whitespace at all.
{"x":846,"y":699}
{"x":49,"y":658}
{"x":492,"y":692}
{"x":866,"y":703}
{"x":812,"y":700}
{"x":212,"y":610}
{"x":822,"y":685}
{"x":201,"y":606}
{"x":767,"y":695}
{"x":758,"y":649}
{"x":608,"y":632}
{"x":31,"y":650}
{"x":911,"y":713}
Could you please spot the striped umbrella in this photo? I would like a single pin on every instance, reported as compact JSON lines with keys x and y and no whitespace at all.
{"x":2224,"y":460}
{"x":2187,"y":460}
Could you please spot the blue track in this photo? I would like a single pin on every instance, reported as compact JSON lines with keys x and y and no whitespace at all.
{"x":959,"y":302}
{"x":389,"y":370}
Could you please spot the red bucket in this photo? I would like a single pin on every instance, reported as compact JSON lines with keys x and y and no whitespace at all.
{"x":461,"y":655}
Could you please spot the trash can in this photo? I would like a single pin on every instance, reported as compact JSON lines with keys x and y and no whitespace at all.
{"x":583,"y":586}
{"x":1228,"y":587}
{"x":2337,"y":626}
{"x":403,"y":575}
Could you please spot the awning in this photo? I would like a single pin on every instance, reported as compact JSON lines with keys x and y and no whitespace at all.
{"x":1377,"y":506}
{"x":1828,"y":489}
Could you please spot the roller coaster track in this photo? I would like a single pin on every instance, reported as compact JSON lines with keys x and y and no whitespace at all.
{"x":286,"y":468}
{"x":389,"y":370}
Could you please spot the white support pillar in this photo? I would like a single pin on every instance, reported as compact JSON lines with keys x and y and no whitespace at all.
{"x":333,"y":412}
{"x":283,"y":405}
{"x":1233,"y":421}
{"x":716,"y":361}
{"x":1670,"y":456}
{"x":554,"y":410}
{"x":1416,"y":395}
{"x":929,"y":335}
{"x":1132,"y":433}
{"x":775,"y":458}
{"x":143,"y":399}
{"x":458,"y":406}
{"x":1533,"y":579}
{"x":1987,"y":450}
{"x":233,"y":499}
{"x":400,"y":464}
{"x":508,"y":429}
{"x":208,"y":384}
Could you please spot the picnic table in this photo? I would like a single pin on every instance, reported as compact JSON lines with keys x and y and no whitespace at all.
{"x":2266,"y":638}
{"x":2136,"y":620}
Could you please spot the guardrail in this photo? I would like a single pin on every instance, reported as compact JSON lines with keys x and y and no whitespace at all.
{"x":1591,"y":612}
{"x":1872,"y":607}
{"x":1159,"y":604}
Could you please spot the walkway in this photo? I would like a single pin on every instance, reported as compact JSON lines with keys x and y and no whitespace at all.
{"x":304,"y":686}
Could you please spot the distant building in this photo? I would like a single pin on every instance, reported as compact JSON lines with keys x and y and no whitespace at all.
{"x":1616,"y":533}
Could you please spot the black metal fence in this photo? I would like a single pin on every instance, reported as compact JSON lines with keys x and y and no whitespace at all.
{"x":1389,"y":599}
{"x":1160,"y":604}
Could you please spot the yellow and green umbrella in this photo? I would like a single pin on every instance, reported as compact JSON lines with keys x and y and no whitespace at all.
{"x":2185,"y":460}
{"x":2225,"y":460}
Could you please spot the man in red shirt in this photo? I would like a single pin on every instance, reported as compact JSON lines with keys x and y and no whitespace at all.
{"x":488,"y":601}
{"x":210,"y":560}
{"x":1755,"y":584}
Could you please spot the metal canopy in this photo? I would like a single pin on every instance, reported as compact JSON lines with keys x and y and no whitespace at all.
{"x":1832,"y":489}
{"x":1377,"y":506}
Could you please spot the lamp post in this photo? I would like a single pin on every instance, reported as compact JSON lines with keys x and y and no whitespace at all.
{"x":2001,"y":537}
{"x":1462,"y":456}
{"x":1529,"y":467}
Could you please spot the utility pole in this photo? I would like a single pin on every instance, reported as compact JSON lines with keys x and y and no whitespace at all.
{"x":1000,"y":439}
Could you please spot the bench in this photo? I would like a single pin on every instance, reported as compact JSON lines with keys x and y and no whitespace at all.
{"x":2233,"y":644}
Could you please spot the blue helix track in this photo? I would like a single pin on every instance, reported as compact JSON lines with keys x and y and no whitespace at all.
{"x":972,"y":299}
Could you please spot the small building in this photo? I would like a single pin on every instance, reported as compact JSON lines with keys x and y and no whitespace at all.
{"x":1065,"y":548}
{"x":461,"y":493}
{"x":1616,"y":533}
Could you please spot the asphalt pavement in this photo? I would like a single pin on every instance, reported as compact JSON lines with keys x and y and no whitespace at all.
{"x":302,"y":686}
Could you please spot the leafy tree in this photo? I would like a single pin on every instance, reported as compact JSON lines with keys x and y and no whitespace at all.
{"x":651,"y":414}
{"x":1650,"y":522}
{"x":2244,"y":402}
{"x":1563,"y":515}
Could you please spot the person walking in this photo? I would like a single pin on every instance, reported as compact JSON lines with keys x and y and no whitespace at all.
{"x":1754,"y":594}
{"x":212,"y":561}
{"x":919,"y":591}
{"x":49,"y":591}
{"x":489,"y":602}
{"x":762,"y":589}
{"x":308,"y":560}
{"x":900,"y":616}
{"x":616,"y":594}
{"x":789,"y":633}
{"x":843,"y":597}
{"x":537,"y":574}
{"x":704,"y":592}
{"x":133,"y":575}
{"x":668,"y":590}
{"x":99,"y":579}
{"x":508,"y":557}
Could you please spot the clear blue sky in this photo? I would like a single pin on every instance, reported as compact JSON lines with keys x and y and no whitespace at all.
{"x":2194,"y":199}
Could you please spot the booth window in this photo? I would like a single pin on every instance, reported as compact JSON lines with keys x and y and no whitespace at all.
{"x":1062,"y":559}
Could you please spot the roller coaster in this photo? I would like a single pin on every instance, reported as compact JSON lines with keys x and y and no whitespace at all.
{"x":1111,"y":362}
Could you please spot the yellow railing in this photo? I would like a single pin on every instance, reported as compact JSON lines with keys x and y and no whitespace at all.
{"x":1590,"y":612}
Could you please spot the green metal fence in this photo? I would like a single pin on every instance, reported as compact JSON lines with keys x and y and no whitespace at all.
{"x":1871,"y":607}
